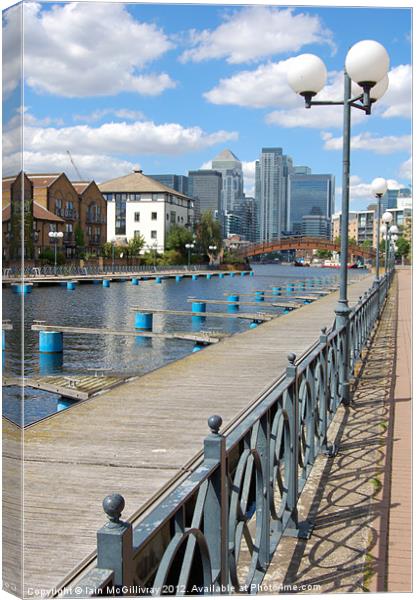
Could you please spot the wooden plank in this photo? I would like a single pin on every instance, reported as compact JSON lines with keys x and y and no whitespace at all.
{"x":247,"y":303}
{"x":192,"y":337}
{"x":188,"y":313}
{"x":138,"y":437}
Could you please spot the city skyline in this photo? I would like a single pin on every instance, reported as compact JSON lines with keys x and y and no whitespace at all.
{"x":198,"y":87}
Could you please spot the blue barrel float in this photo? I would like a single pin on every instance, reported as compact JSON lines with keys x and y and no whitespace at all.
{"x":179,"y":278}
{"x":221,"y":275}
{"x":233,"y":307}
{"x":51,"y":341}
{"x":50,"y":363}
{"x":259,"y":296}
{"x":243,"y":273}
{"x":22,"y":288}
{"x":96,"y":281}
{"x":197,"y":347}
{"x":64,"y":403}
{"x":208,"y":275}
{"x":134,"y":281}
{"x":251,"y":273}
{"x":143,"y":321}
{"x":195,"y":277}
{"x":232,"y":274}
{"x":276,"y":290}
{"x":70,"y":285}
{"x":3,"y":340}
{"x":106,"y":283}
{"x":253,"y":324}
{"x":158,"y":280}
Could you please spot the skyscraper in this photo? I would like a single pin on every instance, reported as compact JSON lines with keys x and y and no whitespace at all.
{"x":175,"y":182}
{"x":205,"y":188}
{"x":271,"y":187}
{"x":230,"y":167}
{"x":310,"y":195}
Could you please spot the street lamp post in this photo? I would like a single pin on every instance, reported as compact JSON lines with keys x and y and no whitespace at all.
{"x":55,"y":235}
{"x":189,"y":249}
{"x":379,"y":187}
{"x":387,"y":219}
{"x":212,"y":248}
{"x":367,"y":64}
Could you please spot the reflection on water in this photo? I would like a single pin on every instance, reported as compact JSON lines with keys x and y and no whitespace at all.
{"x":95,"y":306}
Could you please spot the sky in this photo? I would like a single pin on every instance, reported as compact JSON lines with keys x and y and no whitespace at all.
{"x":166,"y":87}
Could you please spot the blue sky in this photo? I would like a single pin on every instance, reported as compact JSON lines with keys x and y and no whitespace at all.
{"x":167,"y":87}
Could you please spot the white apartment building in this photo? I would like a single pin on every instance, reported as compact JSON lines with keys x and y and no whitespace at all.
{"x":139,"y":205}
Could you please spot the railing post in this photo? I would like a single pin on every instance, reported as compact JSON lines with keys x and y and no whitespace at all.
{"x":216,"y":505}
{"x":114,"y":543}
{"x":329,"y":450}
{"x":263,"y":448}
{"x":294,"y":528}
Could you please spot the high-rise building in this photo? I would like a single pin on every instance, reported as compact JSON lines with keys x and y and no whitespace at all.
{"x":230,"y":168}
{"x":175,"y":182}
{"x":242,"y":220}
{"x":271,"y":186}
{"x":310,"y":195}
{"x":205,"y":186}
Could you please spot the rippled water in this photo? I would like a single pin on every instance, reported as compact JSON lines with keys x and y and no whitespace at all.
{"x":92,"y":305}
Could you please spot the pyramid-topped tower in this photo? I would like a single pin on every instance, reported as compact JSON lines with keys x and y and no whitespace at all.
{"x":230,"y":167}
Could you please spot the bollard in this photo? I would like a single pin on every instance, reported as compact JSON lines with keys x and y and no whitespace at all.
{"x":277,"y":291}
{"x":51,"y":341}
{"x":143,"y":321}
{"x":259,"y":296}
{"x":158,"y":280}
{"x":134,"y":281}
{"x":70,"y":285}
{"x":233,"y":307}
{"x":195,"y":277}
{"x":106,"y":283}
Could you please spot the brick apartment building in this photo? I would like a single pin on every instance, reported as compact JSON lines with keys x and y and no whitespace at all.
{"x":51,"y":203}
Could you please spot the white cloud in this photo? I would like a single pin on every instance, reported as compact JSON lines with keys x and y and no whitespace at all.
{"x":91,"y":49}
{"x":360,"y":189}
{"x":397,"y":102}
{"x":405,"y":171}
{"x":256,"y":32}
{"x":367,"y":141}
{"x":120,"y":113}
{"x":265,"y":86}
{"x":91,"y":166}
{"x":248,"y":169}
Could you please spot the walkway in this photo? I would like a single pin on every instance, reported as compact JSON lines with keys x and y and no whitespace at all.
{"x":138,"y":437}
{"x":360,"y":501}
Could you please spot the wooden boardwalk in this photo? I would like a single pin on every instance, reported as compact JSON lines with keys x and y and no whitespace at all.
{"x":137,"y":438}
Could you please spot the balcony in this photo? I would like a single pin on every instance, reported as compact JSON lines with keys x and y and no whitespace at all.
{"x":95,"y":239}
{"x":68,"y":236}
{"x":95,"y":219}
{"x":69,"y":213}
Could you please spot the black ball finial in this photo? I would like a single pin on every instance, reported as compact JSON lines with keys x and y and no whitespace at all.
{"x":291,"y":357}
{"x":215,"y":422}
{"x":113,"y":506}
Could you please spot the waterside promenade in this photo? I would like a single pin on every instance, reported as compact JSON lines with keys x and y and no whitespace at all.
{"x":139,"y":438}
{"x":361,"y":500}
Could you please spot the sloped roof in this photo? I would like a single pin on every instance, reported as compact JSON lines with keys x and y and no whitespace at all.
{"x":81,"y":186}
{"x":226,"y":155}
{"x":137,"y":182}
{"x":39,"y":212}
{"x":43,"y":179}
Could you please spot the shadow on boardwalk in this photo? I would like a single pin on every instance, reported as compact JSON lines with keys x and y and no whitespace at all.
{"x":345,"y":496}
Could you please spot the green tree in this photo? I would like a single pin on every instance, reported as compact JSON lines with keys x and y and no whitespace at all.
{"x":403,"y":247}
{"x":79,"y":236}
{"x":135,"y":246}
{"x":209,"y":232}
{"x":367,"y":244}
{"x":176,"y":239}
{"x":323,"y":254}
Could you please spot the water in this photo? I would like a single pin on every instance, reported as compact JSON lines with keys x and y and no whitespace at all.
{"x":92,"y":305}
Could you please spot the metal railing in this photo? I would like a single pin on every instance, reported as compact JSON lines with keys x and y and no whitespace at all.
{"x":216,"y":532}
{"x":68,"y":269}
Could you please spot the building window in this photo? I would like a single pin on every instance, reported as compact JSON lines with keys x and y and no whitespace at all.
{"x":172,"y":217}
{"x":153,"y":216}
{"x":137,"y":233}
{"x":136,"y":217}
{"x":120,"y":214}
{"x":153,"y":234}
